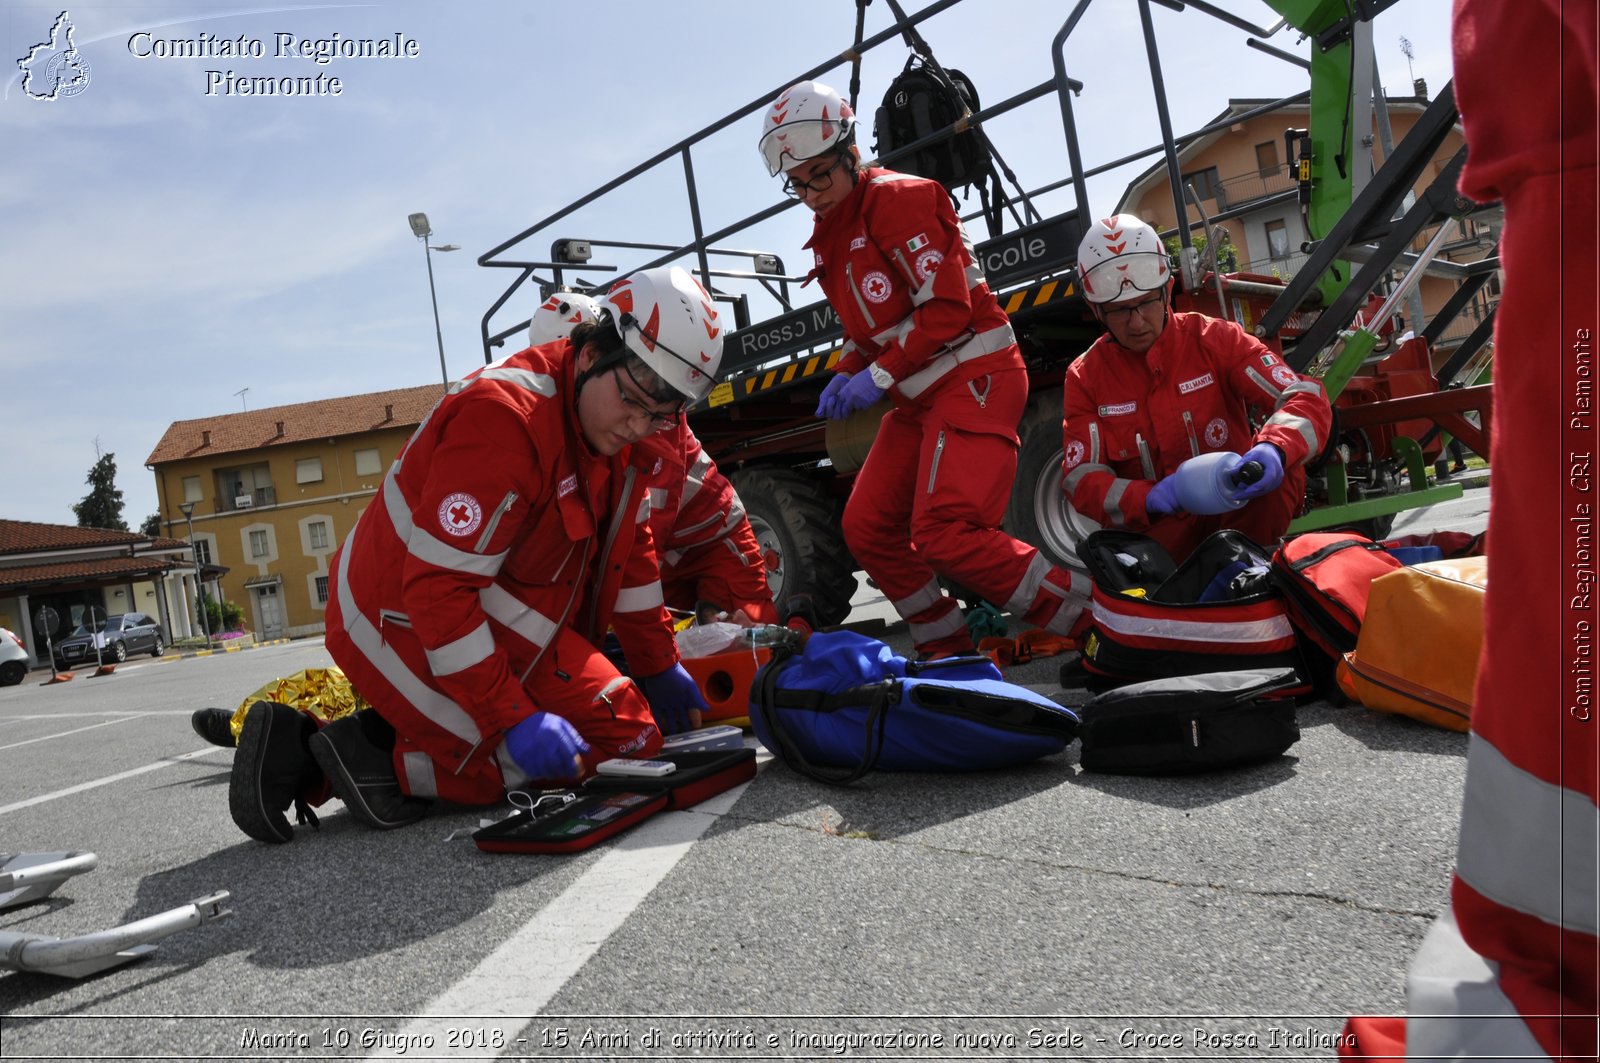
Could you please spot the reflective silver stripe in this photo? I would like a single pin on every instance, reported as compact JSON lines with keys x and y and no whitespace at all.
{"x":437,"y":707}
{"x":1070,"y":483}
{"x":658,"y":497}
{"x":417,"y":768}
{"x":918,"y":601}
{"x":526,"y":621}
{"x":1457,"y":1010}
{"x":1528,"y":844}
{"x":494,"y":523}
{"x":695,"y":478}
{"x":1276,"y":627}
{"x":949,"y":624}
{"x":672,"y":557}
{"x":861,"y":303}
{"x":1094,"y":441}
{"x":975,"y":275}
{"x":1027,"y":588}
{"x":527,"y":379}
{"x":1113,"y":503}
{"x":996,"y":339}
{"x":1261,"y":382}
{"x":638,"y":599}
{"x":641,"y":515}
{"x":1145,"y":461}
{"x":466,"y":651}
{"x":422,"y":545}
{"x":1066,"y":618}
{"x":680,"y":534}
{"x":511,"y":773}
{"x":1304,"y":428}
{"x":911,"y":278}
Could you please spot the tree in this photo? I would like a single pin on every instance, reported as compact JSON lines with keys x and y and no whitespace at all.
{"x":1227,"y":253}
{"x":102,"y":506}
{"x":151,"y":525}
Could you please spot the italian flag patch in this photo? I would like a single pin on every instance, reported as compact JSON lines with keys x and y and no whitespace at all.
{"x":917,"y":242}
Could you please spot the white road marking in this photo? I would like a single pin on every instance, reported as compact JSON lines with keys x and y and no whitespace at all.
{"x":95,"y":784}
{"x":519,"y":979}
{"x":74,"y":731}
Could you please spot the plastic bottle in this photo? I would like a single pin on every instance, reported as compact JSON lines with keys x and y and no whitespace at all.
{"x":1206,"y":483}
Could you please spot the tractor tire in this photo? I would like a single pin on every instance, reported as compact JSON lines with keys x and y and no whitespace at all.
{"x":800,"y":528}
{"x":1038,"y":513}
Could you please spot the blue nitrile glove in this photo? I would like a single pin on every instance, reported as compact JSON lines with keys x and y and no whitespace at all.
{"x":859,"y":392}
{"x":675,"y":699}
{"x":1271,"y":460}
{"x":829,"y":401}
{"x":546,"y":747}
{"x":1163,"y":497}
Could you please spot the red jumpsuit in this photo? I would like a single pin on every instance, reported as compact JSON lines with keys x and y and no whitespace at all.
{"x":1131,"y":419}
{"x":707,"y":548}
{"x":477,"y":584}
{"x":1512,"y":969}
{"x":900,"y":272}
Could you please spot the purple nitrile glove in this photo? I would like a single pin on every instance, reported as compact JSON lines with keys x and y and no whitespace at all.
{"x":830,"y":396}
{"x":546,"y":747}
{"x":675,"y":699}
{"x":1270,"y":458}
{"x":1163,"y":497}
{"x":859,"y":392}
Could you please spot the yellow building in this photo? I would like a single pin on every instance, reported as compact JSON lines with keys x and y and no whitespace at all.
{"x":273,"y":493}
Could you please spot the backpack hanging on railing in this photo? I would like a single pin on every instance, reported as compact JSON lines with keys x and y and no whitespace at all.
{"x":919,"y":102}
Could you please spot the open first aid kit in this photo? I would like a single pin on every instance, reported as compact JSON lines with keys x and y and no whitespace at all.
{"x":1151,"y":617}
{"x":608,"y":804}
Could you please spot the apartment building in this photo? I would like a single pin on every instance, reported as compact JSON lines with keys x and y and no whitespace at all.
{"x":270,"y":494}
{"x":1240,"y":174}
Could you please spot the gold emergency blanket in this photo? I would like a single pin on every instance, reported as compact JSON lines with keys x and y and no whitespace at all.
{"x":321,"y":692}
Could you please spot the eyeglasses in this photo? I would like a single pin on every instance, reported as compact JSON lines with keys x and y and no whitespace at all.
{"x":1123,"y":314}
{"x":659,"y":420}
{"x":820,"y":182}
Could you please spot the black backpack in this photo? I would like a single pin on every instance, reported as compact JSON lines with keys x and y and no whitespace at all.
{"x":919,"y":103}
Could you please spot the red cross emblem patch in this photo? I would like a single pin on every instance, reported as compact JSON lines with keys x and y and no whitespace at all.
{"x":460,"y":514}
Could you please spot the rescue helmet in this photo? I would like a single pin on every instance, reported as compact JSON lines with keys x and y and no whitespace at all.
{"x":668,"y":322}
{"x":1121,"y":258}
{"x":807,"y":119}
{"x":558,"y":315}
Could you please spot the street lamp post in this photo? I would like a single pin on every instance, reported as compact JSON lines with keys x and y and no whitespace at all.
{"x":422,"y":230}
{"x":199,"y":574}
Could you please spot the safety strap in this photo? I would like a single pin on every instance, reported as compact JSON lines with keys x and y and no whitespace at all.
{"x":771,"y":701}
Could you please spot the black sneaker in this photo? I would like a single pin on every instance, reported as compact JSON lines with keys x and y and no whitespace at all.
{"x":357,"y":753}
{"x":799,"y":613}
{"x":273,"y":770}
{"x":215,"y":726}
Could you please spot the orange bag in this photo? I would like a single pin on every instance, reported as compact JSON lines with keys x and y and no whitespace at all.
{"x":1419,"y":646}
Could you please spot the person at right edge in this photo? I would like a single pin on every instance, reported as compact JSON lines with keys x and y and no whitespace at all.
{"x":1511,"y":970}
{"x":1162,"y":387}
{"x":923,"y":329}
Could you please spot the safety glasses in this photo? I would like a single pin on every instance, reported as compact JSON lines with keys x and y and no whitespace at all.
{"x":794,"y":142}
{"x":819,"y":183}
{"x":660,"y":420}
{"x":1144,"y":272}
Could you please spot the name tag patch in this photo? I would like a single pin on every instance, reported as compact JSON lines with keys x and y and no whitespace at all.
{"x":858,"y":243}
{"x":1122,"y":409}
{"x":1196,"y":384}
{"x":567,"y":486}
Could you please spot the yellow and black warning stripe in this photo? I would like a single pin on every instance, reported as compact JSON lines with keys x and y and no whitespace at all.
{"x":743,"y":385}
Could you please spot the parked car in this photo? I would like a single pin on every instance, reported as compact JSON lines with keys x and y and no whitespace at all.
{"x":13,"y":659}
{"x":115,"y":637}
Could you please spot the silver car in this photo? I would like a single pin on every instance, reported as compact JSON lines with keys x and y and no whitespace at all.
{"x":111,"y":639}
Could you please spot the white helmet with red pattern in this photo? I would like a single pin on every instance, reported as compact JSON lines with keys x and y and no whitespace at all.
{"x":807,"y":119}
{"x":1121,"y":258}
{"x":559,"y":315}
{"x":668,"y":321}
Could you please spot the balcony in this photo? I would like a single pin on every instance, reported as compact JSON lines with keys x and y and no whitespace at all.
{"x":247,"y":500}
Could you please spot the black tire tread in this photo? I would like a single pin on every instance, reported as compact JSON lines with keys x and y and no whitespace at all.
{"x":803,"y":511}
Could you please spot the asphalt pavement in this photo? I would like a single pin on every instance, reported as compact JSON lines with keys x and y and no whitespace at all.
{"x":1043,"y":912}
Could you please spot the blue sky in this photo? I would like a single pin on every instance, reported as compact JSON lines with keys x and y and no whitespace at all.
{"x":166,"y":249}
